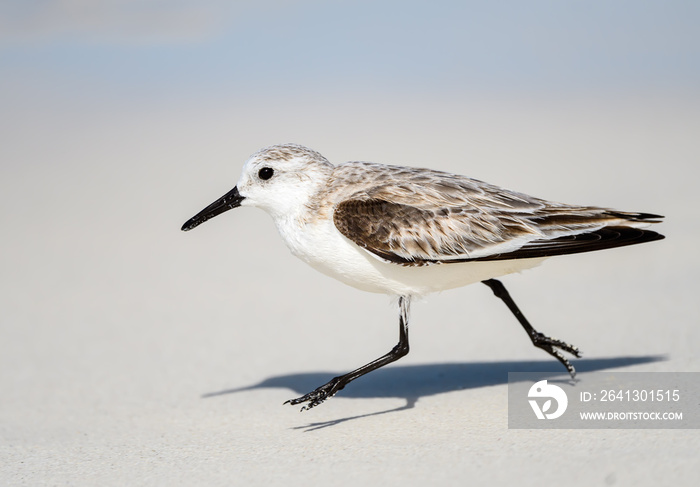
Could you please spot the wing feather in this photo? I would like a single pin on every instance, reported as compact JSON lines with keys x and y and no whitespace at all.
{"x":421,"y":217}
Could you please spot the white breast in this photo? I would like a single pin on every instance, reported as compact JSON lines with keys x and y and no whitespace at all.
{"x":321,"y":246}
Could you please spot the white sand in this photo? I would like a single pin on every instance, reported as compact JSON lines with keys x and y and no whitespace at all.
{"x":116,"y":325}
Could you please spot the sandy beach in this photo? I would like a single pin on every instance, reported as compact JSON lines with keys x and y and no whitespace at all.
{"x":132,"y":353}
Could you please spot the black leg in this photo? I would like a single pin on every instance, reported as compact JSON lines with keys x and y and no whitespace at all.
{"x":328,"y":390}
{"x":549,"y":345}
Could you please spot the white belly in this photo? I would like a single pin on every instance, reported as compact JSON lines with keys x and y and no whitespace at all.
{"x":328,"y":251}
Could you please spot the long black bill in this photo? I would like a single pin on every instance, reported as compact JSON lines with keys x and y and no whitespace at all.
{"x":230,"y":200}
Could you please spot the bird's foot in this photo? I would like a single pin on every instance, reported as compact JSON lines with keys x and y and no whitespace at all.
{"x":318,"y":395}
{"x":553,"y":347}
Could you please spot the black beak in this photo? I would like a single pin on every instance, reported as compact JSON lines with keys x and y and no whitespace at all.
{"x":230,"y":200}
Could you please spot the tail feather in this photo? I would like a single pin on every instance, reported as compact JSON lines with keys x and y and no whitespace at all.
{"x":635,"y":217}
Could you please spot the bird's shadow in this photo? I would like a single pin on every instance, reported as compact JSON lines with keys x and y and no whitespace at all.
{"x":411,"y":382}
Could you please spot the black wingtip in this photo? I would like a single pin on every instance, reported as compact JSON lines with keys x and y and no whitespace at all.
{"x":651,"y":236}
{"x":604,"y":238}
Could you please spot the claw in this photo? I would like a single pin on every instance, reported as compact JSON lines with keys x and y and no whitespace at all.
{"x":318,"y":395}
{"x":550,"y":345}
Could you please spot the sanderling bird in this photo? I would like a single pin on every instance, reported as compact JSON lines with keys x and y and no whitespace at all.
{"x":408,"y":232}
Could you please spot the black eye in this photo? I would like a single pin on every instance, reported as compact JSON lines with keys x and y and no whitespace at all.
{"x":265,"y":173}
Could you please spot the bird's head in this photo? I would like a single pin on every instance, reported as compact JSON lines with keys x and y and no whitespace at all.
{"x":280,"y":179}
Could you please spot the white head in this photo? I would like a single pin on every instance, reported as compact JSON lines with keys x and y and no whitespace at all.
{"x":280,"y":179}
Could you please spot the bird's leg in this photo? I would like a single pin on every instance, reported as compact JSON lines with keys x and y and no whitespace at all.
{"x":548,"y":344}
{"x":328,"y":390}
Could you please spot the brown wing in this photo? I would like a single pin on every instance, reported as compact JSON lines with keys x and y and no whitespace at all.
{"x":409,"y":235}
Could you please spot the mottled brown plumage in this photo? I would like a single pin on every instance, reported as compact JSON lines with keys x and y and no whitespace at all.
{"x":420,"y":216}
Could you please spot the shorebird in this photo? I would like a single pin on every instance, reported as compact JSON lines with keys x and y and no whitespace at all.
{"x":408,"y":232}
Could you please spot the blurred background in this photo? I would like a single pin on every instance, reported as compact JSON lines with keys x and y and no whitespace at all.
{"x":120,"y":119}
